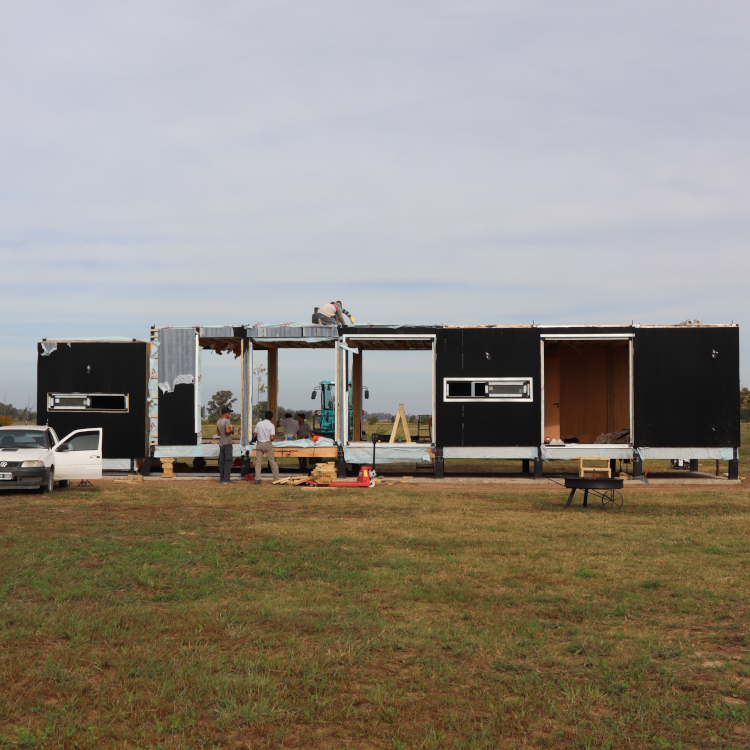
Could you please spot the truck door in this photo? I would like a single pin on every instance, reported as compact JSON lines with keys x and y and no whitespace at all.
{"x":79,"y":455}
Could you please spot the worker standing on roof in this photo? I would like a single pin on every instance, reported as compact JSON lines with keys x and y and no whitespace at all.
{"x":333,"y":310}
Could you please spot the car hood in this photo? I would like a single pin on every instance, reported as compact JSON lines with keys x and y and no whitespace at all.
{"x":23,"y":454}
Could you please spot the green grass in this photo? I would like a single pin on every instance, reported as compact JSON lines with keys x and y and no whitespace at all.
{"x":183,"y":615}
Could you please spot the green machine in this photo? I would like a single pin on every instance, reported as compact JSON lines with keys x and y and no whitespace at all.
{"x":326,"y":415}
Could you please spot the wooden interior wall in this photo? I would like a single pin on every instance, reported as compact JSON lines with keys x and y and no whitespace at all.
{"x":552,"y":394}
{"x":590,"y":382}
{"x":620,"y":365}
{"x":583,"y":392}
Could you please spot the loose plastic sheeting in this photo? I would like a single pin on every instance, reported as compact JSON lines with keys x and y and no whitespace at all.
{"x":48,"y":347}
{"x":505,"y":452}
{"x":177,"y":348}
{"x":115,"y":464}
{"x":718,"y":454}
{"x":211,"y":450}
{"x":387,"y":453}
{"x":586,"y":450}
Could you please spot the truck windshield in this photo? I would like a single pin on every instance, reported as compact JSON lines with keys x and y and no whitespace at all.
{"x":23,"y":438}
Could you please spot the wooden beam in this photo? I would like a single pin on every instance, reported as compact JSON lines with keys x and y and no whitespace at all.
{"x":357,"y":397}
{"x":273,"y":382}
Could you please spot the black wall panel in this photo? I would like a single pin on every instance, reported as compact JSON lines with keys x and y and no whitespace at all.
{"x":177,"y":416}
{"x":115,"y":368}
{"x":488,"y":352}
{"x":684,"y":395}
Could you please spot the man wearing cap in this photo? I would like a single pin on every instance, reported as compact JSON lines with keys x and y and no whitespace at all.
{"x":225,"y":431}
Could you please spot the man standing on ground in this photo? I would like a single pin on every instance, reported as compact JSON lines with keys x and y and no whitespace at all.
{"x":290,"y":427}
{"x":225,"y":431}
{"x":265,"y":433}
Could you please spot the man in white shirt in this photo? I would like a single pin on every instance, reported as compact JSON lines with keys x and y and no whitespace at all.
{"x":265,"y":433}
{"x":290,"y":427}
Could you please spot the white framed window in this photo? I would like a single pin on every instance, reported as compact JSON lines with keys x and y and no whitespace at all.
{"x":88,"y":401}
{"x":489,"y":389}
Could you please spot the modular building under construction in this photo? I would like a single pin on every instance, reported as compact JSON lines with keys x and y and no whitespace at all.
{"x":531,"y":393}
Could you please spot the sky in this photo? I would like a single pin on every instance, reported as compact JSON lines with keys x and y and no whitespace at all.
{"x":451,"y":161}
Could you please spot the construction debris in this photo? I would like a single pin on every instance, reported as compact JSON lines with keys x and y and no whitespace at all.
{"x":293,"y":480}
{"x":324,"y":473}
{"x":131,"y":478}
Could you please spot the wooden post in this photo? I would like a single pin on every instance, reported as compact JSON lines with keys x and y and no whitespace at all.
{"x":273,"y":382}
{"x":357,"y":396}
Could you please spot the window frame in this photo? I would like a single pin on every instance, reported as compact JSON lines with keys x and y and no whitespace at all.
{"x":86,"y":408}
{"x":487,"y":398}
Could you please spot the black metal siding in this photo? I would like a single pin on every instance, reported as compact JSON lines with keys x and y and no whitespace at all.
{"x":115,"y":368}
{"x":513,"y":352}
{"x":684,"y":396}
{"x":177,"y":416}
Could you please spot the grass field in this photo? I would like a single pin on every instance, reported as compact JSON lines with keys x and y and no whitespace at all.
{"x":185,"y":615}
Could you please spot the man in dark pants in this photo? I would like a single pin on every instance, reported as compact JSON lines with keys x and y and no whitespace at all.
{"x":225,"y":431}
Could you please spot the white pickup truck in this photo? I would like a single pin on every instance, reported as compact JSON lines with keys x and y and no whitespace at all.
{"x":33,"y":457}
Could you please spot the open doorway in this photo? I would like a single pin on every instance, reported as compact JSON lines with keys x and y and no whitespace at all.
{"x":587,"y":390}
{"x":392,"y":370}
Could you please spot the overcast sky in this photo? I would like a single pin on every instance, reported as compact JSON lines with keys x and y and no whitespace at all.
{"x":456,"y":161}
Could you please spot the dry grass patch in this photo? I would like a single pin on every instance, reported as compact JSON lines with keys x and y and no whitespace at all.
{"x":180,"y":615}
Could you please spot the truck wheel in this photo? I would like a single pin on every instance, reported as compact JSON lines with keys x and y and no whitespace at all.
{"x":50,"y":485}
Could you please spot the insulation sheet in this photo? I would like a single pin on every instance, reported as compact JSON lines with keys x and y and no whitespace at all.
{"x":386,"y":453}
{"x":177,"y":357}
{"x":506,"y":452}
{"x":718,"y":454}
{"x":115,"y":464}
{"x":211,"y":450}
{"x":585,"y":450}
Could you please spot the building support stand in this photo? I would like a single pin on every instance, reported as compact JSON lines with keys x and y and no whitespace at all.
{"x":525,"y":466}
{"x":340,"y":463}
{"x":637,"y":467}
{"x":734,"y":466}
{"x":693,"y":464}
{"x":538,"y":468}
{"x":439,"y":464}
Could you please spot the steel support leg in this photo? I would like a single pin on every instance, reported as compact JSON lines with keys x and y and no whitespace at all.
{"x":340,"y":463}
{"x":734,"y":468}
{"x":570,"y":497}
{"x":585,"y":498}
{"x":693,"y":464}
{"x":525,"y":466}
{"x":637,"y":467}
{"x":613,"y":467}
{"x":538,"y":468}
{"x":439,"y":464}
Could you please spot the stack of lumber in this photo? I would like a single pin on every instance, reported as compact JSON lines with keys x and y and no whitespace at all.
{"x":324,"y":473}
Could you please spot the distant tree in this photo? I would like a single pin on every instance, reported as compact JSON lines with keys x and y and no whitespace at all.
{"x":219,"y":399}
{"x":373,"y":420}
{"x":412,"y":418}
{"x":745,"y":405}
